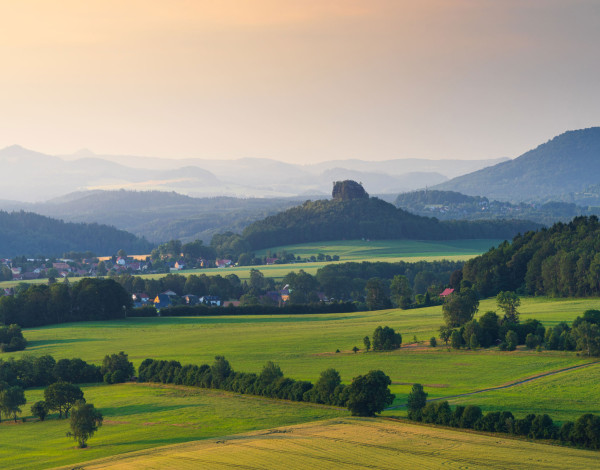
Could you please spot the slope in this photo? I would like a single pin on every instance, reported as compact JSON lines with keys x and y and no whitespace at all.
{"x":569,"y":163}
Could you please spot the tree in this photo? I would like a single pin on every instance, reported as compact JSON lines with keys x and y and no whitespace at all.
{"x":355,"y":349}
{"x":417,"y":399}
{"x":433,"y":342}
{"x":512,"y":339}
{"x":377,"y":297}
{"x":40,"y":409}
{"x":325,"y":387}
{"x":11,"y":399}
{"x":386,"y":339}
{"x":587,"y":338}
{"x":473,"y":341}
{"x":459,"y":308}
{"x":445,"y":334}
{"x":61,"y":396}
{"x":488,"y":322}
{"x":369,"y":394}
{"x":508,"y":302}
{"x":367,"y":343}
{"x":401,"y":292}
{"x":456,"y":339}
{"x":116,"y":368}
{"x":85,"y":421}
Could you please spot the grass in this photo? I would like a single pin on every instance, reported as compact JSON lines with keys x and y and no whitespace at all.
{"x":142,"y":416}
{"x":305,"y":345}
{"x":564,"y":397}
{"x":357,"y":443}
{"x":388,"y":250}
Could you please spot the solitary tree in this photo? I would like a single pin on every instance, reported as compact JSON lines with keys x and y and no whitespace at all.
{"x":355,"y":349}
{"x":369,"y":394}
{"x":85,"y":421}
{"x":445,"y":334}
{"x":367,"y":343}
{"x":508,"y":302}
{"x":11,"y":399}
{"x":386,"y":339}
{"x":417,"y":399}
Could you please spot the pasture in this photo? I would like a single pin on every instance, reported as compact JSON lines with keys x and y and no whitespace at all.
{"x":356,"y":443}
{"x":143,"y":416}
{"x":305,"y":345}
{"x":388,"y":250}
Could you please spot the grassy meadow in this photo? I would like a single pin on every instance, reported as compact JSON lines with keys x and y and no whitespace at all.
{"x":356,"y":443}
{"x":305,"y":345}
{"x":142,"y":416}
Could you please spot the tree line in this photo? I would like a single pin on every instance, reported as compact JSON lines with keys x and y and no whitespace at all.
{"x":366,"y":395}
{"x":583,"y":432}
{"x":87,"y":299}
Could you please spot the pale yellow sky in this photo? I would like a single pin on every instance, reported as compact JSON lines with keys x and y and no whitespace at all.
{"x":297,"y":80}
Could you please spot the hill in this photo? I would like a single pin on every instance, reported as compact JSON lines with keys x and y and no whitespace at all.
{"x":561,"y":261}
{"x":450,"y":205}
{"x":158,"y":215}
{"x":569,"y":163}
{"x":369,"y":218}
{"x":26,"y":233}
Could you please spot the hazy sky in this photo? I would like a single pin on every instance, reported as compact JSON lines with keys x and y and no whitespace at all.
{"x":297,"y":80}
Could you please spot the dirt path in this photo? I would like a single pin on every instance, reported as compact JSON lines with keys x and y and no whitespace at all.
{"x":509,"y":385}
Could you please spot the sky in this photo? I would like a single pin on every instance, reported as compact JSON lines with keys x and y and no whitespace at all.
{"x":300,"y":81}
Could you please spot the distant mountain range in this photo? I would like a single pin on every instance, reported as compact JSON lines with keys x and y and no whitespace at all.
{"x":36,"y":177}
{"x":565,"y":168}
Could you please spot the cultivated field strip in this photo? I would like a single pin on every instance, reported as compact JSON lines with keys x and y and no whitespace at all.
{"x":355,"y":443}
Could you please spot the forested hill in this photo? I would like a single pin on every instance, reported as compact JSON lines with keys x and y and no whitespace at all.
{"x":369,"y":218}
{"x":26,"y":233}
{"x":569,"y":163}
{"x":563,"y":260}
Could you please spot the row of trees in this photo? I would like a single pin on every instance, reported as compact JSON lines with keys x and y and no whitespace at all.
{"x":366,"y":395}
{"x":584,"y":432}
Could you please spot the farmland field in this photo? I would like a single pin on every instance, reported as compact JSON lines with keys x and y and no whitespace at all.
{"x":305,"y":345}
{"x":356,"y":443}
{"x":388,"y":250}
{"x":142,"y":416}
{"x":146,"y":416}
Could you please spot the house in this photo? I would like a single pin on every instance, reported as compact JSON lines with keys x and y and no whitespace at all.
{"x":191,"y":299}
{"x":211,"y":300}
{"x":170,"y":293}
{"x":446,"y":292}
{"x":179,"y":265}
{"x":140,"y":297}
{"x":121,"y":261}
{"x":285,"y":293}
{"x":232,"y":303}
{"x":273,"y":297}
{"x":222,"y":263}
{"x":61,"y":266}
{"x":162,"y":301}
{"x":270,"y":260}
{"x":16,"y":271}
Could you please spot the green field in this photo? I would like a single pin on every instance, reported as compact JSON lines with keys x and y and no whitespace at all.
{"x":388,"y":250}
{"x":138,"y":416}
{"x":357,"y":443}
{"x":143,"y":416}
{"x":305,"y":345}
